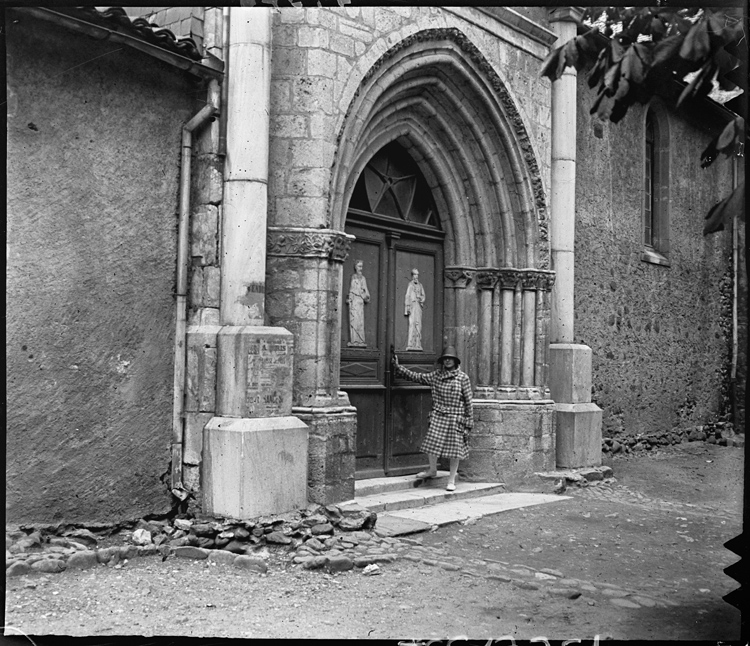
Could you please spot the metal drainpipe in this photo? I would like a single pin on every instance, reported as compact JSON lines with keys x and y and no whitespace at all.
{"x":224,"y":86}
{"x":180,"y":340}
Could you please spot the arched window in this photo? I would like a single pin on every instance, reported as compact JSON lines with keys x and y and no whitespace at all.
{"x":656,"y":188}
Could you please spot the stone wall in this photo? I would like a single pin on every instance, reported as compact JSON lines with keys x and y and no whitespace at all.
{"x":94,"y":144}
{"x":660,"y":346}
{"x":320,"y":57}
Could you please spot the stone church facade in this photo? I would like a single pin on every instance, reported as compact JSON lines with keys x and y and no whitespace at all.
{"x":331,"y":143}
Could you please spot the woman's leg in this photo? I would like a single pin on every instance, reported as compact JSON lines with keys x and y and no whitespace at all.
{"x":430,"y":473}
{"x":454,"y":470}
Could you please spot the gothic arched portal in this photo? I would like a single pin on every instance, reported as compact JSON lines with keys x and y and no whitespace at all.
{"x":433,"y":108}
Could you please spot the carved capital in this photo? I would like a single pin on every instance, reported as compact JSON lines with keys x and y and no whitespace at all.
{"x":309,"y":243}
{"x":509,"y":278}
{"x":486,"y":278}
{"x":545,"y":280}
{"x":460,"y":277}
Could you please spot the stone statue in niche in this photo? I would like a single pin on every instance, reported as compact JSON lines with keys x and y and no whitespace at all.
{"x":413,"y":305}
{"x":358,"y":296}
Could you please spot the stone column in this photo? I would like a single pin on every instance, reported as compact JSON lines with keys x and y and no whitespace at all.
{"x":304,"y":295}
{"x":459,"y":278}
{"x":579,"y":421}
{"x":486,"y":280}
{"x":507,"y":281}
{"x":255,"y":451}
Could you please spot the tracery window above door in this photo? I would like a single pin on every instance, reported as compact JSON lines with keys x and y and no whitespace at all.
{"x":391,"y":185}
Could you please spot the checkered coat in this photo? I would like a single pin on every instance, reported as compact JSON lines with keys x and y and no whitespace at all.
{"x":452,"y":415}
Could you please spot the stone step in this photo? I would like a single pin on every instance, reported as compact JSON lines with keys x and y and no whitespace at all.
{"x":429,"y":492}
{"x":383,"y":485}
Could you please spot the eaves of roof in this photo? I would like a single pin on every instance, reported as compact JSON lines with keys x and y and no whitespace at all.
{"x":115,"y":25}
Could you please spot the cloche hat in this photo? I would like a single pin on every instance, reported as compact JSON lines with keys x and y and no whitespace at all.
{"x":449,"y":353}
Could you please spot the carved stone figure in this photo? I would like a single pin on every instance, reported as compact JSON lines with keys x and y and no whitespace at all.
{"x":413,"y":305}
{"x":358,"y":296}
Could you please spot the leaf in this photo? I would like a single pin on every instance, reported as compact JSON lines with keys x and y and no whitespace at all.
{"x":696,"y":45}
{"x":723,"y":213}
{"x":553,"y":65}
{"x":666,"y":48}
{"x":727,"y":141}
{"x":611,"y":79}
{"x":599,"y":68}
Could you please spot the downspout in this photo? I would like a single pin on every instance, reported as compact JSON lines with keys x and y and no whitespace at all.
{"x":224,"y":86}
{"x":180,"y":338}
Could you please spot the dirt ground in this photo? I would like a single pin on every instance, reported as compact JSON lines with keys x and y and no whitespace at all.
{"x":656,"y":534}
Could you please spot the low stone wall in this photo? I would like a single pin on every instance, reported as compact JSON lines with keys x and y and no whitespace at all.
{"x":722,"y":433}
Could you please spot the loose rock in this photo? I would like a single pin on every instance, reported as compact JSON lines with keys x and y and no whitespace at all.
{"x":340,"y":563}
{"x":17,"y":569}
{"x":190,"y":552}
{"x":251,"y":563}
{"x":83,"y":560}
{"x":278,"y":538}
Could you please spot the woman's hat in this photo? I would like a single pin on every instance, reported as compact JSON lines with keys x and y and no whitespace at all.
{"x":449,"y":353}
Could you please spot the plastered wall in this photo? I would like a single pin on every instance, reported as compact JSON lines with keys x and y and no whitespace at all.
{"x":659,"y":334}
{"x":93,"y":165}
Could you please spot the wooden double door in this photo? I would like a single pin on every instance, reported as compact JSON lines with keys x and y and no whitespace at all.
{"x":387,"y":304}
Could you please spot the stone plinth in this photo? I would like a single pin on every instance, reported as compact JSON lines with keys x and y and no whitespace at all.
{"x":255,"y":453}
{"x":579,"y":435}
{"x":331,"y":461}
{"x":579,"y":422}
{"x":254,"y":376}
{"x":570,"y":373}
{"x":510,"y":441}
{"x":253,"y":467}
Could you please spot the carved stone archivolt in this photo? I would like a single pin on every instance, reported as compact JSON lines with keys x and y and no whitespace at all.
{"x":459,"y":277}
{"x":308,"y":243}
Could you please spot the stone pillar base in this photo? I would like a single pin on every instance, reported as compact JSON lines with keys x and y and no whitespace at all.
{"x":331,"y":452}
{"x":579,"y":422}
{"x":254,"y":467}
{"x":510,"y":441}
{"x":579,"y":435}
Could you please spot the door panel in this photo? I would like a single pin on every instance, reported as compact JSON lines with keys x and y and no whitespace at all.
{"x":392,"y":416}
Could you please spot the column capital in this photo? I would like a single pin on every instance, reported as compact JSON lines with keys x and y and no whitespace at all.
{"x":486,"y":278}
{"x":309,"y":243}
{"x":459,"y":276}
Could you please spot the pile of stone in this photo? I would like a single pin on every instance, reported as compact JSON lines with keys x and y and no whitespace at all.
{"x":54,"y":549}
{"x":721,"y":433}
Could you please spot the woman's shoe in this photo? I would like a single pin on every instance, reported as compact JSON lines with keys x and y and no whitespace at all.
{"x":451,"y":486}
{"x":426,"y":475}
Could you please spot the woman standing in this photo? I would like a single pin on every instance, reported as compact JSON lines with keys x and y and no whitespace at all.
{"x":452,"y":415}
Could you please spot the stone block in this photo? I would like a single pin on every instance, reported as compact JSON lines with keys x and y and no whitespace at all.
{"x":204,"y":234}
{"x":253,"y":467}
{"x":570,"y":373}
{"x":578,"y":435}
{"x":193,"y":444}
{"x":254,"y":378}
{"x":200,"y":394}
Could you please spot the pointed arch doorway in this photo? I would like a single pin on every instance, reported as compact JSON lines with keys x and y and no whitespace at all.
{"x":392,"y":297}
